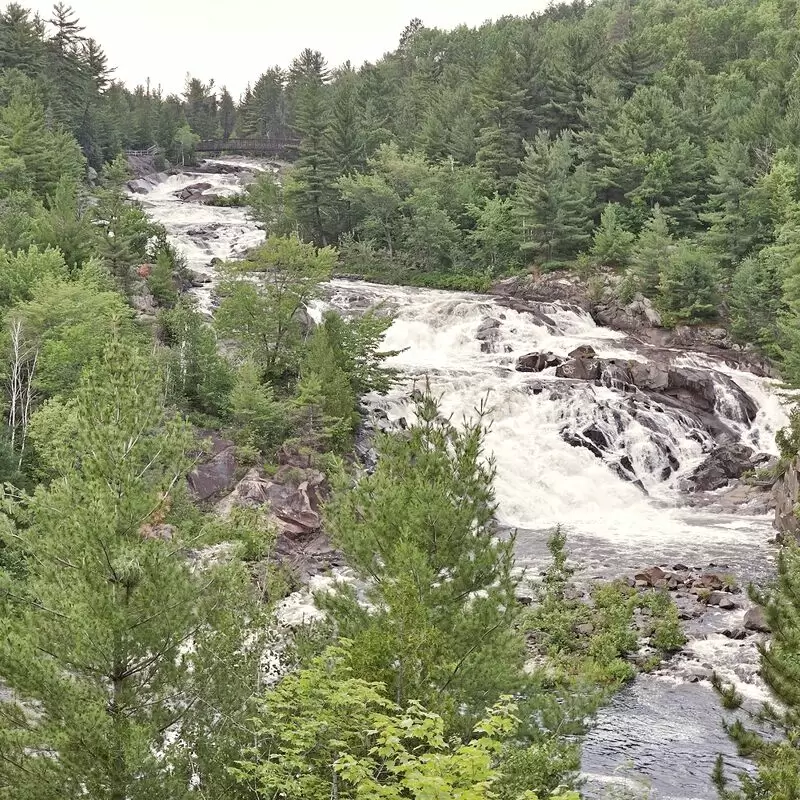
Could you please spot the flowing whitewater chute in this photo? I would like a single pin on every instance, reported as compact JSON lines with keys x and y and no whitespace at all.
{"x":604,"y":443}
{"x":546,"y":477}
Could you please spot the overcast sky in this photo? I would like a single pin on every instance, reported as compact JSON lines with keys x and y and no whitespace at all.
{"x":233,"y":41}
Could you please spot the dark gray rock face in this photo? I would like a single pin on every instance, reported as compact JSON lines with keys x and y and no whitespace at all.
{"x":787,"y":497}
{"x":725,"y":462}
{"x":293,"y":497}
{"x":583,"y":365}
{"x":536,"y":362}
{"x":215,"y":475}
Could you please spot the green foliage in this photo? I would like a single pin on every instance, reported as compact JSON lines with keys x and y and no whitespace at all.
{"x":788,"y":438}
{"x":51,"y":434}
{"x":186,"y":140}
{"x":260,"y":420}
{"x":161,"y":280}
{"x":265,"y":315}
{"x":322,"y":420}
{"x":587,"y":643}
{"x":311,"y":194}
{"x":324,"y":732}
{"x":755,"y":301}
{"x":612,"y":243}
{"x":68,"y":325}
{"x":775,"y":757}
{"x":67,"y":224}
{"x":18,"y":213}
{"x":584,"y":644}
{"x":651,"y":252}
{"x":33,"y":156}
{"x":199,"y":374}
{"x":688,"y":290}
{"x":667,"y":631}
{"x":264,"y":197}
{"x":20,"y":271}
{"x":255,"y":533}
{"x":495,"y":238}
{"x":552,"y":203}
{"x":338,"y":400}
{"x":356,"y":346}
{"x":429,"y":234}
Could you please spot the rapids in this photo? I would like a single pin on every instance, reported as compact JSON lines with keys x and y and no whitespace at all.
{"x":666,"y":726}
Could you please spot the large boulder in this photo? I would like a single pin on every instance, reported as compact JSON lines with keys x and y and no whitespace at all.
{"x":487,"y":329}
{"x":536,"y":362}
{"x":549,"y":287}
{"x":725,"y":462}
{"x":583,"y":365}
{"x":755,"y":619}
{"x":710,"y":392}
{"x":636,"y":316}
{"x":616,"y":374}
{"x":292,"y":498}
{"x":194,"y":187}
{"x":488,"y":334}
{"x":215,"y":476}
{"x":649,"y":376}
{"x":294,"y":507}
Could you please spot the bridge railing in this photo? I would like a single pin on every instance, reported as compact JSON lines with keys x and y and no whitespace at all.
{"x":151,"y":151}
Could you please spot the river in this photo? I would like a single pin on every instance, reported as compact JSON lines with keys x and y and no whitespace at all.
{"x":666,"y":726}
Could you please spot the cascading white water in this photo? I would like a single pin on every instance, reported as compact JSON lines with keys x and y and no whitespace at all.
{"x":668,"y":728}
{"x":201,"y":233}
{"x":542,"y":480}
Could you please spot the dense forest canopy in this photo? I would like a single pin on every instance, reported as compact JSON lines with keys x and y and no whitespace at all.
{"x":658,"y":138}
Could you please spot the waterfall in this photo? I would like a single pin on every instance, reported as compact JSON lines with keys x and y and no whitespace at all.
{"x":601,"y":460}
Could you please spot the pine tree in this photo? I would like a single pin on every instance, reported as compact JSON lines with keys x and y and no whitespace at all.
{"x":201,"y":107}
{"x":161,"y":280}
{"x":420,"y":530}
{"x":552,"y":203}
{"x":227,"y":114}
{"x":64,"y":67}
{"x":345,"y":134}
{"x":263,"y":109}
{"x":631,"y":63}
{"x":502,"y":112}
{"x":201,"y":378}
{"x":43,"y":156}
{"x":260,"y":420}
{"x":311,"y":193}
{"x":495,"y":237}
{"x":612,"y":242}
{"x":650,"y":254}
{"x":776,"y":757}
{"x":334,"y":396}
{"x":731,"y":231}
{"x":688,"y":291}
{"x":67,"y":224}
{"x":430,"y":236}
{"x":139,"y":667}
{"x":756,"y":301}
